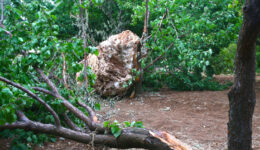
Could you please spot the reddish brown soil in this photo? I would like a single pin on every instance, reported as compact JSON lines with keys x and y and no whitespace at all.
{"x":198,"y":118}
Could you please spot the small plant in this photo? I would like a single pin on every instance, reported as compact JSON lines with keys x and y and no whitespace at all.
{"x":138,"y":124}
{"x":115,"y":126}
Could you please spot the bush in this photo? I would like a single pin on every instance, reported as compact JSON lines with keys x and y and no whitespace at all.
{"x":224,"y":61}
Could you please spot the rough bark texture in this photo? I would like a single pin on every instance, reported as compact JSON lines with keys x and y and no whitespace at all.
{"x":242,"y":95}
{"x":113,"y":66}
{"x":129,"y":138}
{"x":141,"y":52}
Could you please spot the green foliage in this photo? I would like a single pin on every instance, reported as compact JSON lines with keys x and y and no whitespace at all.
{"x":138,"y":124}
{"x":115,"y":126}
{"x":22,"y":140}
{"x":224,"y":61}
{"x":42,"y":31}
{"x":189,"y":34}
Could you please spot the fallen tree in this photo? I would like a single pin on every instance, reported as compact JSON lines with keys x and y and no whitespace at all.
{"x":95,"y":132}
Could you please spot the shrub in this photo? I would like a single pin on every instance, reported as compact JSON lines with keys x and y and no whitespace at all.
{"x":224,"y":61}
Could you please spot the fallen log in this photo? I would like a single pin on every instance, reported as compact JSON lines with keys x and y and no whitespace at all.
{"x":96,"y":134}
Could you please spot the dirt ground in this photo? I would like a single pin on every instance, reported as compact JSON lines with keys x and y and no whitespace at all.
{"x":198,"y":118}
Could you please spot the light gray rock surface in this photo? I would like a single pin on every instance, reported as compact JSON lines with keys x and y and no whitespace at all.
{"x":113,"y":65}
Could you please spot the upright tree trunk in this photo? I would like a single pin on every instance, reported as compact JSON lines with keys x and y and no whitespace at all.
{"x":84,"y":22}
{"x":139,"y":79}
{"x":242,"y":95}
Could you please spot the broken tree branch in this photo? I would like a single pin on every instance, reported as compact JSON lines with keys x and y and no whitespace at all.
{"x":43,"y":91}
{"x":84,"y":36}
{"x":92,"y":126}
{"x":70,"y":122}
{"x":64,"y":71}
{"x":129,"y":138}
{"x":31,"y":94}
{"x":91,"y":113}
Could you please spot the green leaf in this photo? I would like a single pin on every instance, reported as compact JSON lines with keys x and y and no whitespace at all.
{"x":132,"y":124}
{"x":116,"y":131}
{"x":97,"y":106}
{"x":139,"y":124}
{"x":53,"y":139}
{"x":7,"y":92}
{"x":20,"y":39}
{"x":29,"y":139}
{"x":127,"y":124}
{"x":93,"y":50}
{"x":106,"y":124}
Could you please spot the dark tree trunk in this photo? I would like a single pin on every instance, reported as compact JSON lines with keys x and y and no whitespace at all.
{"x":242,"y":95}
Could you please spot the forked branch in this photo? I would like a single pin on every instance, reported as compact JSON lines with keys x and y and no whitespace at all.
{"x":31,"y":94}
{"x":92,"y":125}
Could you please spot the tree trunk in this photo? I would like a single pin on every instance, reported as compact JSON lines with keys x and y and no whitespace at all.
{"x":242,"y":95}
{"x":139,"y":79}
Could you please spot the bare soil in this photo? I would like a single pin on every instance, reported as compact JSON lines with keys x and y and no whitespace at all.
{"x":198,"y":118}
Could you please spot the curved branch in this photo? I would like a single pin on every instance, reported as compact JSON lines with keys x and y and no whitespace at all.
{"x":47,"y":80}
{"x":31,"y":94}
{"x":43,"y":91}
{"x":70,"y":123}
{"x":92,"y":125}
{"x":91,"y":113}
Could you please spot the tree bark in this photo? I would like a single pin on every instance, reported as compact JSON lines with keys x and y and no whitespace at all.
{"x":139,"y":78}
{"x":242,"y":95}
{"x":84,"y":22}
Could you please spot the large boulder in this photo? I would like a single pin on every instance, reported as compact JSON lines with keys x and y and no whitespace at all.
{"x":113,"y":66}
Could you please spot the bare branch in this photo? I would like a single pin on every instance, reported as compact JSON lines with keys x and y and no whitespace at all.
{"x":92,"y":125}
{"x":21,"y":117}
{"x":84,"y":36}
{"x":70,"y":123}
{"x":43,"y":91}
{"x":31,"y":94}
{"x":2,"y":12}
{"x":160,"y":24}
{"x":91,"y":113}
{"x":146,"y":17}
{"x":2,"y":19}
{"x":64,"y":71}
{"x":45,"y":78}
